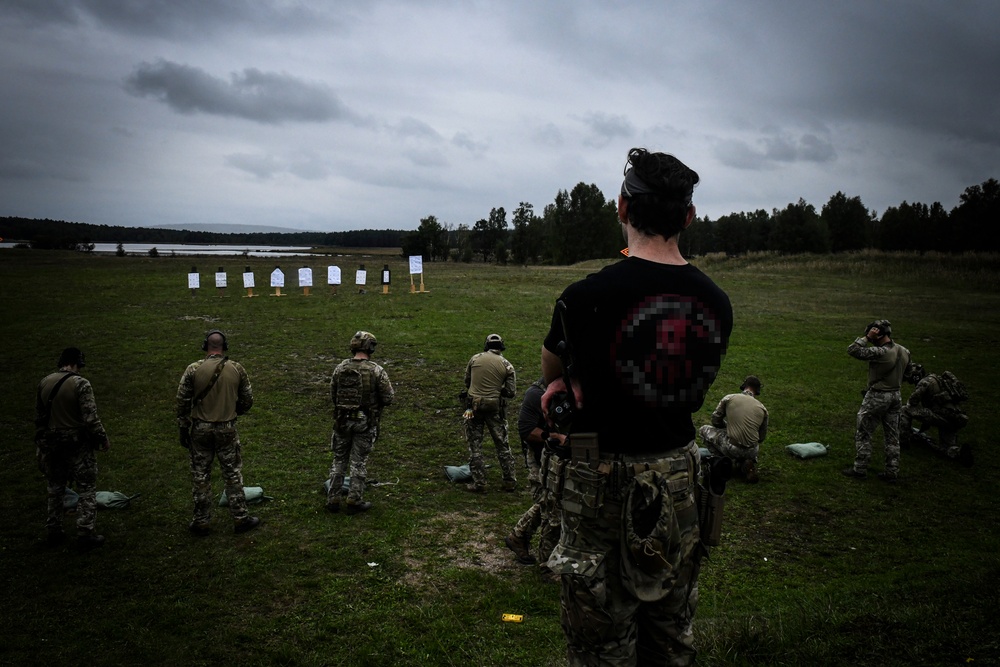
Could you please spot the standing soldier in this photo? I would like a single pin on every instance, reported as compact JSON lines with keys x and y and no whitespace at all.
{"x":489,"y":382}
{"x":212,"y":393}
{"x":641,"y":342}
{"x":67,"y":431}
{"x":739,"y":425}
{"x":936,"y":401}
{"x":887,"y":362}
{"x":360,"y":389}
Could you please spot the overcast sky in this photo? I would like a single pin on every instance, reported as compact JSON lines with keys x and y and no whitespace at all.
{"x":334,"y":115}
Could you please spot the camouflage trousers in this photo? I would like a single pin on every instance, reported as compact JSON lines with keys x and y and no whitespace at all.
{"x":717,"y":441}
{"x":211,"y":440}
{"x":352,"y":442}
{"x":878,"y":407}
{"x":543,"y":515}
{"x":603,"y":618}
{"x":64,"y":457}
{"x":475,"y":428}
{"x":947,"y":427}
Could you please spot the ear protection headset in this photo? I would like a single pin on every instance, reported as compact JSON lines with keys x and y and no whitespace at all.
{"x":225,"y":343}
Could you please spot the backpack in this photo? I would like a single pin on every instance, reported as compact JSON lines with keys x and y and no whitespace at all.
{"x":354,"y":387}
{"x":954,"y":387}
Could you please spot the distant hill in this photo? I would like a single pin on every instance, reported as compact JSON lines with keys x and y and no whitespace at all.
{"x":236,"y":229}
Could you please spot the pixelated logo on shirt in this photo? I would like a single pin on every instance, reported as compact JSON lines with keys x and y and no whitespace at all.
{"x":668,"y":350}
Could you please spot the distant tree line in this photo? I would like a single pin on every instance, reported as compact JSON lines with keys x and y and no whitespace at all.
{"x":58,"y":234}
{"x":581,"y":224}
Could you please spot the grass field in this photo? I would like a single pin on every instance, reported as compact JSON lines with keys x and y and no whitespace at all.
{"x":814,"y":569}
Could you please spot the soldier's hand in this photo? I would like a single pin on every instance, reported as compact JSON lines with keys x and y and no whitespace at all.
{"x":185,"y":438}
{"x":104,"y":446}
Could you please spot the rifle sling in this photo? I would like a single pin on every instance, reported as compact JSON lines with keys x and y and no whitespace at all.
{"x":211,"y":383}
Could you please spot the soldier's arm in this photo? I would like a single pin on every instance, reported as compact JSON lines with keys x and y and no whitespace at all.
{"x":385,"y":390}
{"x":244,"y":397}
{"x":510,"y":382}
{"x":719,"y":415}
{"x":88,"y":412}
{"x":185,"y":394}
{"x":762,"y":432}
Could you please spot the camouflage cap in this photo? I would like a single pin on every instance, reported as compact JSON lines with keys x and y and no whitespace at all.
{"x":363,"y":341}
{"x":494,"y":342}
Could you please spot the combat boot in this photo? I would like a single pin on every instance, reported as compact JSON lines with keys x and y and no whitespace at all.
{"x":358,"y":508}
{"x":854,"y":472}
{"x":247,"y":525}
{"x":89,"y":542}
{"x":199,"y":529}
{"x":521,"y":549}
{"x":510,"y":485}
{"x":475,"y":488}
{"x":889,"y":477}
{"x":750,"y":471}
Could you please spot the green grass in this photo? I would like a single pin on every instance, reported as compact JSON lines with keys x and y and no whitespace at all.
{"x":814,"y":569}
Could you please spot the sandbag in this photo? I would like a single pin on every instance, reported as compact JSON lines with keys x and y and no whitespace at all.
{"x":807,"y":450}
{"x":458,"y":474}
{"x":253,"y":494}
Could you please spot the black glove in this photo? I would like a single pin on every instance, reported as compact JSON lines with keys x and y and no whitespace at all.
{"x":185,"y":437}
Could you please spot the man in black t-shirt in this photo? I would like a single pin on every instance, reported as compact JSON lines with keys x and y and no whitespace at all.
{"x":645,"y":338}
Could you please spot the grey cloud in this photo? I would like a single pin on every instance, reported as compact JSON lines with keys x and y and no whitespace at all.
{"x":605,"y":128}
{"x":181,"y":19}
{"x":412,"y":128}
{"x":466,"y":141}
{"x":263,"y":97}
{"x":35,"y":13}
{"x":307,"y":167}
{"x":773,"y":148}
{"x":260,"y":166}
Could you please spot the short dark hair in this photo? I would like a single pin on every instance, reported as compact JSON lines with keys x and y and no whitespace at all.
{"x":661,"y":207}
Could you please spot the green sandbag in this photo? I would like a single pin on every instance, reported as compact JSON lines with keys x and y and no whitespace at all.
{"x":807,"y":450}
{"x":253,"y":494}
{"x":115,"y":500}
{"x":458,"y":474}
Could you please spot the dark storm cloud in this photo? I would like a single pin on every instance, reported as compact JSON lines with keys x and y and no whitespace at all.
{"x":263,"y":97}
{"x":175,"y":18}
{"x":772,"y":148}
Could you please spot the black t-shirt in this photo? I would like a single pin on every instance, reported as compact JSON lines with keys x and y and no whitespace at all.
{"x":647,"y":340}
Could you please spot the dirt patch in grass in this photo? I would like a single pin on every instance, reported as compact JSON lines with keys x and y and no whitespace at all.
{"x":464,"y":540}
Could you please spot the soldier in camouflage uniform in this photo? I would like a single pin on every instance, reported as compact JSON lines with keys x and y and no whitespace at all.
{"x":543,"y":513}
{"x":643,"y":339}
{"x":490,"y":382}
{"x":935,"y":402}
{"x":67,"y":431}
{"x":739,"y":425}
{"x":360,"y":389}
{"x":212,"y":393}
{"x":887,"y":361}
